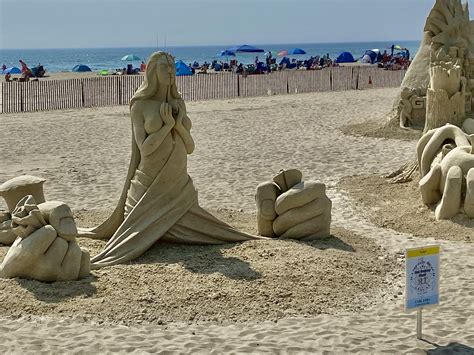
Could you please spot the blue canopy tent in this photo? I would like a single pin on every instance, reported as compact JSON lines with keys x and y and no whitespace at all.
{"x":372,"y":53}
{"x":345,"y":57}
{"x":227,"y":53}
{"x":12,"y":70}
{"x":182,"y":69}
{"x":81,"y":68}
{"x":287,"y":63}
{"x":296,"y":51}
{"x":245,"y":49}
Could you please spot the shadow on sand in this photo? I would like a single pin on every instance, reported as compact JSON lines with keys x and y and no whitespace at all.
{"x":331,"y":242}
{"x":451,"y":348}
{"x":204,"y":259}
{"x":59,"y":291}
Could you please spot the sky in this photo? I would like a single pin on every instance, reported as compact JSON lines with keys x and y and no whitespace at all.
{"x":144,"y":23}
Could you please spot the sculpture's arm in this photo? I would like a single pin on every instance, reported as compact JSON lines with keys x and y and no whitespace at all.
{"x":183,"y":127}
{"x":150,"y":143}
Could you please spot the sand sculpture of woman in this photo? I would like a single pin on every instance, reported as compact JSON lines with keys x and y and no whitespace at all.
{"x":158,"y":201}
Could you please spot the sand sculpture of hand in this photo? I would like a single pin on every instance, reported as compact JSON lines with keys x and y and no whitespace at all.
{"x":447,"y":171}
{"x":45,"y":248}
{"x":446,"y":74}
{"x":290,"y":208}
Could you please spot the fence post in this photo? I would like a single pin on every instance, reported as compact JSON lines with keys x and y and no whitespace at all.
{"x":330,"y":79}
{"x":21,"y":97}
{"x":82,"y":93}
{"x":120,"y":90}
{"x":238,"y":85}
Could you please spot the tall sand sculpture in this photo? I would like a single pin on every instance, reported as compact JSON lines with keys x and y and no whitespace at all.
{"x":448,"y":29}
{"x":442,"y":70}
{"x":158,"y":200}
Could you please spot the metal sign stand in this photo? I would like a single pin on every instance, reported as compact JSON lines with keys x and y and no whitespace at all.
{"x":419,"y":314}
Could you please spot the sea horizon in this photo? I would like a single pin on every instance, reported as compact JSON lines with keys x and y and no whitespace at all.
{"x":99,"y":58}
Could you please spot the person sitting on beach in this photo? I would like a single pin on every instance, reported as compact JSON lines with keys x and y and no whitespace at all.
{"x":7,"y":77}
{"x":143,"y":67}
{"x":24,"y":68}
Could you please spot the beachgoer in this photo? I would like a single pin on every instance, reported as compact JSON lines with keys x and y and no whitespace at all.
{"x":7,"y":77}
{"x":143,"y":67}
{"x":24,"y":67}
{"x":158,"y":201}
{"x":4,"y":67}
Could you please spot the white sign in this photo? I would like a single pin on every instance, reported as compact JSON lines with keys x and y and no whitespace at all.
{"x":422,"y":277}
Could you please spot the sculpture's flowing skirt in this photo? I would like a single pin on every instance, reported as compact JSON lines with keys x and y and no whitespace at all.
{"x":167,"y":209}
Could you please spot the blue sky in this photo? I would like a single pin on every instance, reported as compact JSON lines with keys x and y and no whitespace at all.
{"x":120,"y":23}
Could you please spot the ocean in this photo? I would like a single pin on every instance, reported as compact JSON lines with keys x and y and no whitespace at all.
{"x":58,"y":60}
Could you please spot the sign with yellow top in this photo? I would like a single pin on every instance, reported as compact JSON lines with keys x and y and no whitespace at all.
{"x":422,"y":277}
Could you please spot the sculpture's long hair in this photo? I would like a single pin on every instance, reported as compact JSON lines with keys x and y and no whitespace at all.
{"x":149,"y":86}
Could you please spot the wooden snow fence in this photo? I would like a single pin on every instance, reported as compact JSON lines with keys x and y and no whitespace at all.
{"x":118,"y":90}
{"x":341,"y":78}
{"x":262,"y":85}
{"x":208,"y":87}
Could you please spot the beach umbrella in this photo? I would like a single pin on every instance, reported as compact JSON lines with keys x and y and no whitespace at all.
{"x":130,"y":57}
{"x":296,"y":51}
{"x":81,"y":68}
{"x":244,"y":48}
{"x":12,"y":70}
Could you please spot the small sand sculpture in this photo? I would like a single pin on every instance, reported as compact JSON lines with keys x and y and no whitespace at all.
{"x":45,"y":248}
{"x":446,"y":159}
{"x":288,"y":207}
{"x":12,"y":191}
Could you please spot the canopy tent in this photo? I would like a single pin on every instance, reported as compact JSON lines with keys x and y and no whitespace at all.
{"x":12,"y":70}
{"x":245,"y":49}
{"x":81,"y":68}
{"x":296,"y":51}
{"x":182,"y":69}
{"x":371,"y":54}
{"x":345,"y":57}
{"x":227,"y":53}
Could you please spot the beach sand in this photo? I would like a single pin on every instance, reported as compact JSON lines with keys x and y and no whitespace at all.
{"x":341,"y":295}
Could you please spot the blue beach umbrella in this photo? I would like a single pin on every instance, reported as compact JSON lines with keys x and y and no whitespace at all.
{"x":130,"y":57}
{"x":12,"y":70}
{"x":81,"y":68}
{"x":296,"y":51}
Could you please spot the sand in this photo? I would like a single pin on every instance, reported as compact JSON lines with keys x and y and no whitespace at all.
{"x":341,"y":295}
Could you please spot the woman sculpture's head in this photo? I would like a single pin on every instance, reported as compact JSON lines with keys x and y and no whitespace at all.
{"x":160,"y":72}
